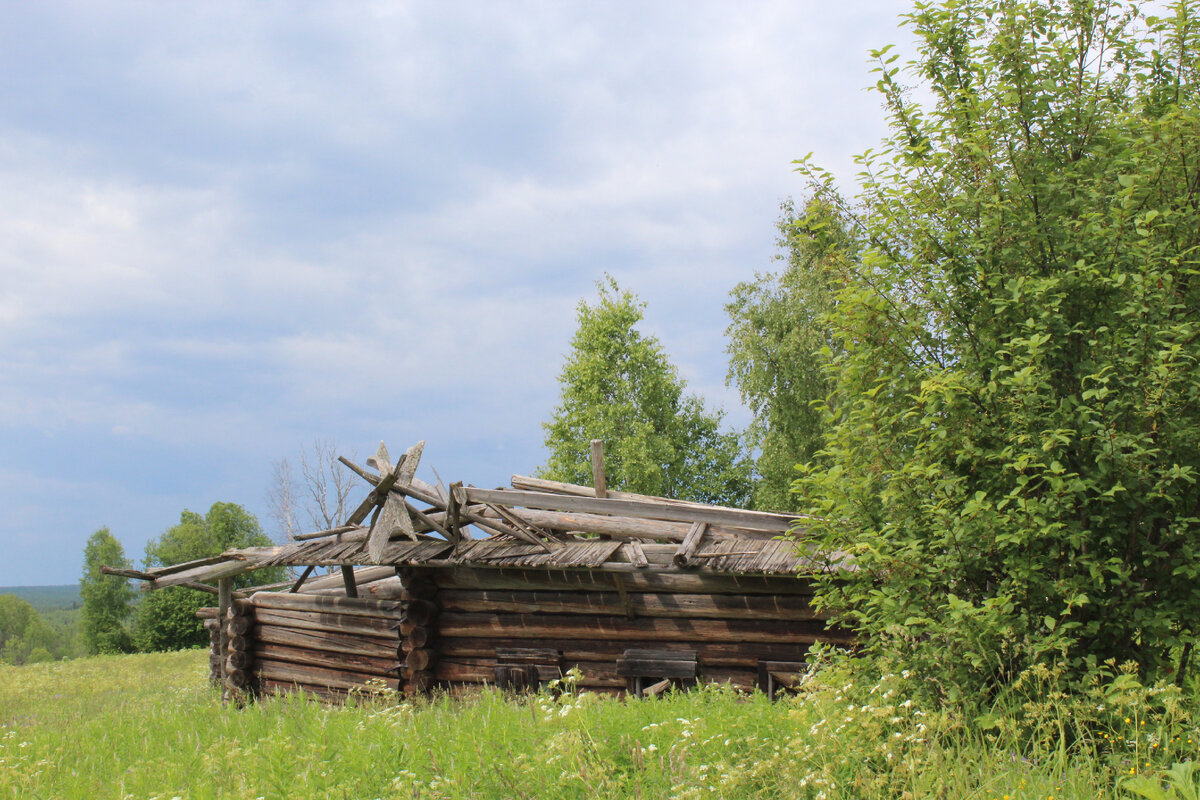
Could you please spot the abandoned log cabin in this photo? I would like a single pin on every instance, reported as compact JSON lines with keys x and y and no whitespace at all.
{"x":432,"y":587}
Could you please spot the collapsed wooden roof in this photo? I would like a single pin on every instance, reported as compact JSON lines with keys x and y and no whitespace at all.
{"x":535,"y":524}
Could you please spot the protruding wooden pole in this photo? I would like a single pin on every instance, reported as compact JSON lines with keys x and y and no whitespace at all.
{"x":598,"y":479}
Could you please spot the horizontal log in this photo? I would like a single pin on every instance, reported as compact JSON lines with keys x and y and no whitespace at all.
{"x":464,"y":671}
{"x":207,"y":613}
{"x":565,"y":626}
{"x":318,"y":676}
{"x":362,"y":575}
{"x":637,"y":509}
{"x":755,"y":607}
{"x":239,"y":643}
{"x":595,"y":675}
{"x":351,"y":606}
{"x":386,"y":666}
{"x":724,"y":654}
{"x":240,"y":626}
{"x":334,"y":623}
{"x":561,"y":580}
{"x":326,"y":641}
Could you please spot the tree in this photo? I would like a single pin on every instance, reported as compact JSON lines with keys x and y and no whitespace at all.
{"x":25,"y":637}
{"x":1016,"y":437}
{"x":106,"y":598}
{"x":318,"y":496}
{"x":166,"y":618}
{"x":618,"y":385}
{"x":779,"y":347}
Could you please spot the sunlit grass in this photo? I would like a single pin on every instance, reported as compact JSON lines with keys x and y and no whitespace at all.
{"x":149,"y":726}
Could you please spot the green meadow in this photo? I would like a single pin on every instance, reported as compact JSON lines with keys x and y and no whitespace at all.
{"x":150,"y":726}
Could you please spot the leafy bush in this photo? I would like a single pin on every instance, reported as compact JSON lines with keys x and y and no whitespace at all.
{"x":166,"y":620}
{"x":1016,"y":446}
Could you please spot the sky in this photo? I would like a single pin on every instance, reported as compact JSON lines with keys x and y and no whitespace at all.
{"x":228,"y":230}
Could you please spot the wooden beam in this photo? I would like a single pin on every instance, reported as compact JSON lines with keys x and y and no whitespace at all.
{"x":599,"y":481}
{"x":639,"y":509}
{"x":631,"y":604}
{"x":567,"y":626}
{"x":691,"y":543}
{"x":319,"y":602}
{"x":303,"y":577}
{"x":348,"y":581}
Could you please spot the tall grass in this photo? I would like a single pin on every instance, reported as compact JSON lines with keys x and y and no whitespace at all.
{"x":149,"y":726}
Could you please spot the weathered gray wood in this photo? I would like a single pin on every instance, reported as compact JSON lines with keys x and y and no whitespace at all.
{"x":639,"y":509}
{"x":637,"y":554}
{"x":325,"y":641}
{"x":393,"y":519}
{"x":641,"y":581}
{"x":640,"y":604}
{"x":333,"y":623}
{"x":285,"y":672}
{"x":386,"y":666}
{"x":341,"y":529}
{"x":359,"y":606}
{"x":691,"y":543}
{"x":527,"y":483}
{"x":207,"y":572}
{"x":599,"y":481}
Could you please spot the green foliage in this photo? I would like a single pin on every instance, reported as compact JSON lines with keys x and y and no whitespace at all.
{"x":150,"y":725}
{"x":1017,"y":416}
{"x":106,"y":598}
{"x":619,"y":386}
{"x":779,"y":347}
{"x":165,"y":619}
{"x":25,"y":637}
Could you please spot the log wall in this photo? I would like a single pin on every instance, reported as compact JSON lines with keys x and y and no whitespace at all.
{"x":325,"y":644}
{"x":443,"y":628}
{"x":733,"y":624}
